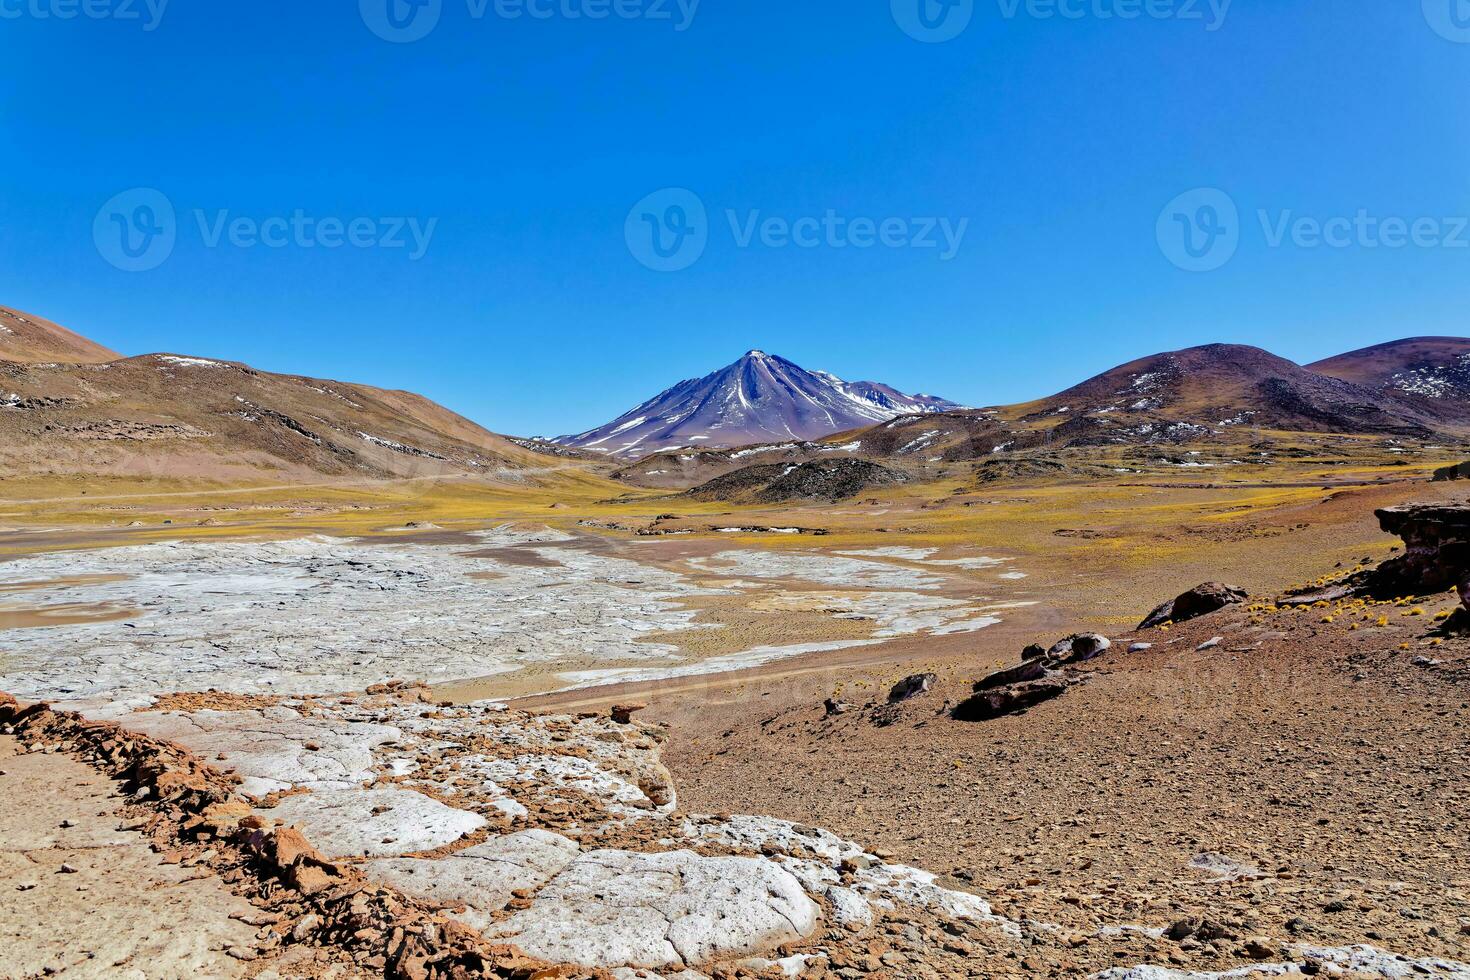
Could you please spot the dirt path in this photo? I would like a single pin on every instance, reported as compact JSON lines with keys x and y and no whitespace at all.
{"x":84,"y":898}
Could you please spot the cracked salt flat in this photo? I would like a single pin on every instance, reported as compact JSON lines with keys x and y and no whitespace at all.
{"x":316,"y":615}
{"x":374,"y":822}
{"x":482,"y":878}
{"x":822,"y":569}
{"x":268,"y":748}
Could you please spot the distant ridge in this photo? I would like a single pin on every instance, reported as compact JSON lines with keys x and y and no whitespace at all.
{"x":29,"y":339}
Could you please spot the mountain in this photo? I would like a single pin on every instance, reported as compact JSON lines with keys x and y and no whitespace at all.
{"x":1430,"y":374}
{"x":173,"y":416}
{"x":760,"y":398}
{"x":29,"y":339}
{"x":1203,"y":390}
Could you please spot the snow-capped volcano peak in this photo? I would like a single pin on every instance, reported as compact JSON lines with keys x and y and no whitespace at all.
{"x":759,"y":398}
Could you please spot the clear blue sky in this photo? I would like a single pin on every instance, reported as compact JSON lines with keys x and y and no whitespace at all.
{"x":1059,"y":139}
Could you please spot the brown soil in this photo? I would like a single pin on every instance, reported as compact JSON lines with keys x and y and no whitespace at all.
{"x":1318,"y":755}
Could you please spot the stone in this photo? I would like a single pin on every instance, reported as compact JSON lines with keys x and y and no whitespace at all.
{"x":623,"y":713}
{"x":1198,"y":601}
{"x":678,"y":908}
{"x":1030,"y":670}
{"x":374,"y":823}
{"x":912,"y":687}
{"x":1210,"y":644}
{"x":994,"y":703}
{"x":834,"y":707}
{"x":484,"y":877}
{"x":1140,"y":647}
{"x":1086,"y":646}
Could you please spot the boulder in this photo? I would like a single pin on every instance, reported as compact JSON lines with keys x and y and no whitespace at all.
{"x":835,"y":707}
{"x":1082,"y":646}
{"x":1031,"y":670}
{"x":1198,"y":601}
{"x":1032,"y":652}
{"x":623,"y":713}
{"x":994,"y":703}
{"x":912,"y":687}
{"x":1459,"y":471}
{"x":1436,"y":551}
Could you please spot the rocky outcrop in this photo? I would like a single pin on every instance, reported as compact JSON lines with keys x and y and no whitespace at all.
{"x":1459,"y":471}
{"x":1198,"y":601}
{"x":1040,"y":676}
{"x":1436,"y":551}
{"x":1009,"y":699}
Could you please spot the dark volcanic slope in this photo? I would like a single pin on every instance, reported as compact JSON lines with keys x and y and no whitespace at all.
{"x":760,"y":398}
{"x":1430,"y":374}
{"x":770,"y":483}
{"x":1220,"y":386}
{"x":29,"y":339}
{"x":168,"y":416}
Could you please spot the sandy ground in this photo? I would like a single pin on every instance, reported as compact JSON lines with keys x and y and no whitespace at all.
{"x":86,"y":898}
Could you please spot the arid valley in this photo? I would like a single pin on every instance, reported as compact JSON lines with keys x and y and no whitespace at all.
{"x":313,"y":680}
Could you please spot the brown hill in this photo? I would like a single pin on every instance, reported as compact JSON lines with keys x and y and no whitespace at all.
{"x":29,"y":339}
{"x":1429,"y":374}
{"x":1202,"y":391}
{"x":170,"y":416}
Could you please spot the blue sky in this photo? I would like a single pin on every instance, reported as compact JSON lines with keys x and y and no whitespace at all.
{"x":526,"y":141}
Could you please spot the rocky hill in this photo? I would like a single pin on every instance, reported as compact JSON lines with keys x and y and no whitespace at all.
{"x":174,"y":416}
{"x":1431,"y":375}
{"x":770,"y":483}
